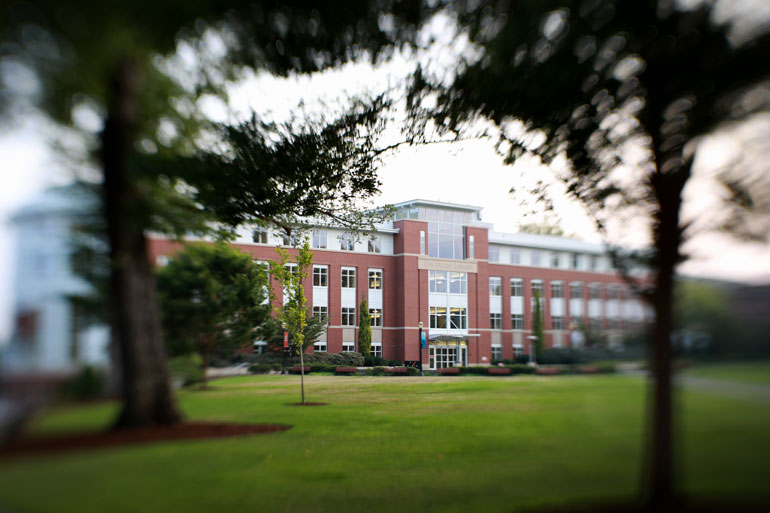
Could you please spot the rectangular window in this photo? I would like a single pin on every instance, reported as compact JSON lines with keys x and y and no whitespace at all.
{"x":458,"y":283}
{"x":613,"y":291}
{"x":535,"y":257}
{"x":494,"y":254}
{"x":575,"y":261}
{"x":260,"y":235}
{"x":496,"y":321}
{"x":515,"y":256}
{"x":422,"y":242}
{"x":557,"y":322}
{"x":437,"y":281}
{"x":290,"y":239}
{"x":321,"y":311}
{"x":471,"y":246}
{"x":347,"y":242}
{"x":555,"y":260}
{"x":576,"y":290}
{"x":319,"y":239}
{"x":376,"y":350}
{"x":348,"y":278}
{"x":517,"y":321}
{"x":594,"y":291}
{"x":320,"y":277}
{"x":375,"y":279}
{"x":537,"y":288}
{"x":375,"y":244}
{"x":557,"y":289}
{"x":594,"y":263}
{"x":517,"y":286}
{"x":348,"y":347}
{"x":497,"y":352}
{"x":348,"y":316}
{"x":458,"y":318}
{"x":518,"y":350}
{"x":495,"y":286}
{"x":438,"y":317}
{"x":319,"y":347}
{"x":375,"y":316}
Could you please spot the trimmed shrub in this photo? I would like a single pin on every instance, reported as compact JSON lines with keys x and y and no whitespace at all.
{"x":261,"y":368}
{"x":334,"y":359}
{"x":87,"y":384}
{"x":478,"y":371}
{"x":412,"y":371}
{"x":518,"y":368}
{"x":375,"y":361}
{"x":186,"y":369}
{"x":377,"y":371}
{"x":606,"y":367}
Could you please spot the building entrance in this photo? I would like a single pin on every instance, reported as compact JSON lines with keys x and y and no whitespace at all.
{"x":445,"y":355}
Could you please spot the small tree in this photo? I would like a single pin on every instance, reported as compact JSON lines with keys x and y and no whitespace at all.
{"x":537,"y":328}
{"x":364,"y":329}
{"x":293,"y":315}
{"x":211,"y":297}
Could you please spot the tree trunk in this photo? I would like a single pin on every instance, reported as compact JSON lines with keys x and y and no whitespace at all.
{"x":302,"y":374}
{"x":660,"y":465}
{"x":205,"y":369}
{"x":146,"y":393}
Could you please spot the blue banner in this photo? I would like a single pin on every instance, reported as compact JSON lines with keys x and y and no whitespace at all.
{"x":422,"y":340}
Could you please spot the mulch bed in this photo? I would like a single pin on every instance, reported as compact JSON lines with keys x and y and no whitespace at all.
{"x":25,"y":446}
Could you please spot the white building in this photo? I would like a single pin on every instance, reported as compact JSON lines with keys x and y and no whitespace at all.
{"x":47,"y":335}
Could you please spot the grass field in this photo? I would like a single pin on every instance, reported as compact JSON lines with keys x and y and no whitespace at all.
{"x":400,"y":444}
{"x":757,"y":372}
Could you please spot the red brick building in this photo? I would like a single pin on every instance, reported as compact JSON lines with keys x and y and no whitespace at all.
{"x":472,"y":288}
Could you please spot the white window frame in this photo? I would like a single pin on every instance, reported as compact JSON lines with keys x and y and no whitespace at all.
{"x":495,"y":321}
{"x":375,"y":317}
{"x":376,"y":275}
{"x":495,"y":286}
{"x":374,"y":245}
{"x":347,"y":316}
{"x":347,"y":242}
{"x":319,"y":238}
{"x":348,"y":278}
{"x":320,"y":276}
{"x":322,"y":311}
{"x":517,"y":285}
{"x":263,"y":234}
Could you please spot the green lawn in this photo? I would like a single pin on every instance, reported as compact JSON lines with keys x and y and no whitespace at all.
{"x":399,"y":444}
{"x":757,"y":372}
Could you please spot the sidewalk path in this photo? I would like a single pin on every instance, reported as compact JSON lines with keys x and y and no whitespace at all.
{"x":757,"y":394}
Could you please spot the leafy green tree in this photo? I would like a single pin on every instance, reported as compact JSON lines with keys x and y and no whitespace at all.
{"x":537,"y":327}
{"x":212,"y":297}
{"x":621,"y":93}
{"x":364,"y":329}
{"x":293,"y":315}
{"x":104,"y":58}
